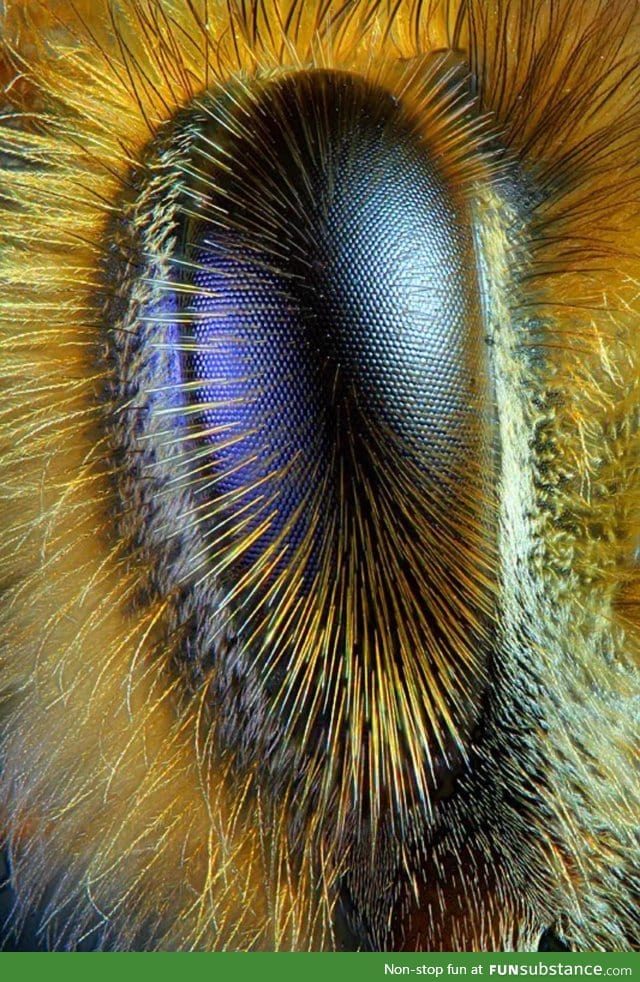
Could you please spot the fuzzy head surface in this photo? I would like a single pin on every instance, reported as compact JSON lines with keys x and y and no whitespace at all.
{"x":319,"y":473}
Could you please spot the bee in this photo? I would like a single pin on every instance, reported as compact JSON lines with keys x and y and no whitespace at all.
{"x":319,"y":473}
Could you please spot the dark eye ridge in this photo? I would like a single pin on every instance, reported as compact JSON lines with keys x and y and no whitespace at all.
{"x":308,"y":402}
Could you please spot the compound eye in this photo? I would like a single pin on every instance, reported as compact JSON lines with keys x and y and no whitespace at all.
{"x":333,"y":326}
{"x":319,"y":344}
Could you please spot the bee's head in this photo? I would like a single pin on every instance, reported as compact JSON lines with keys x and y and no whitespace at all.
{"x":302,"y":424}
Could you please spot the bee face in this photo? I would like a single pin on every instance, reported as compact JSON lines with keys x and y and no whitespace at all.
{"x":319,"y":434}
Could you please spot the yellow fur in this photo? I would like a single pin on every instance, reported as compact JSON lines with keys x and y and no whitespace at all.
{"x":124,"y":819}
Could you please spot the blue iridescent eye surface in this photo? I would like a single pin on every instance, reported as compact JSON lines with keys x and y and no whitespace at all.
{"x":333,"y":319}
{"x":309,"y":422}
